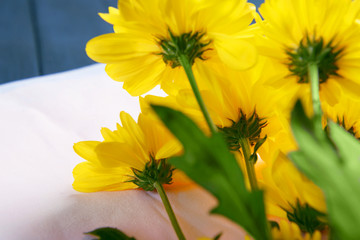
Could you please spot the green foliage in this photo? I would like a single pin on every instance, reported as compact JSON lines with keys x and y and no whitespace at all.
{"x":217,"y":237}
{"x":333,"y":163}
{"x":208,"y":162}
{"x":108,"y":233}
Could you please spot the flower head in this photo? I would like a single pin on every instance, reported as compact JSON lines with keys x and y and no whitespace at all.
{"x":241,"y":108}
{"x":290,"y":195}
{"x":325,"y":32}
{"x":150,"y":36}
{"x":285,"y":230}
{"x":133,"y":156}
{"x":346,"y":113}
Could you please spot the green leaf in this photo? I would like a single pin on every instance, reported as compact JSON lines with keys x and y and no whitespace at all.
{"x":208,"y":162}
{"x":348,"y":148}
{"x":108,"y":233}
{"x":333,"y":163}
{"x":217,"y":237}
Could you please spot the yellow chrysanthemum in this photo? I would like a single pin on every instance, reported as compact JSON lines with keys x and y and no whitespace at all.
{"x":141,"y":52}
{"x":326,"y":31}
{"x":243,"y":99}
{"x":290,"y":195}
{"x":110,"y":164}
{"x":241,"y":102}
{"x":346,"y":113}
{"x":290,"y":231}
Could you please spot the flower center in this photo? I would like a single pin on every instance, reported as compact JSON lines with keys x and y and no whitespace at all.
{"x":245,"y":128}
{"x":313,"y":51}
{"x":306,"y":217}
{"x":192,"y":45}
{"x":154,"y":171}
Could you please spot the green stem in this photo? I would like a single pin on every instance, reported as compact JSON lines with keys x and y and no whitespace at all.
{"x":169,"y":210}
{"x":313,"y":72}
{"x":245,"y":147}
{"x":184,"y":61}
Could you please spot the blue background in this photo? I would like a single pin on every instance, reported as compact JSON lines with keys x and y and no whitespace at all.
{"x":46,"y":36}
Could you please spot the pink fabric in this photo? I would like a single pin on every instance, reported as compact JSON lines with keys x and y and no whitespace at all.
{"x":41,"y":118}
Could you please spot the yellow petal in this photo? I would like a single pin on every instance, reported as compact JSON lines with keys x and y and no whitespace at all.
{"x":275,"y":210}
{"x":316,"y":235}
{"x":169,"y":149}
{"x":352,"y":88}
{"x":121,"y":70}
{"x":86,"y":150}
{"x":140,"y":74}
{"x":330,"y":91}
{"x":144,"y":80}
{"x":236,"y":53}
{"x":111,"y":136}
{"x":154,"y":132}
{"x":114,"y":154}
{"x":113,"y":17}
{"x":135,"y":132}
{"x":115,"y":47}
{"x":88,"y":178}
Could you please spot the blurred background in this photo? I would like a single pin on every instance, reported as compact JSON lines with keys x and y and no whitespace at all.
{"x":40,"y":37}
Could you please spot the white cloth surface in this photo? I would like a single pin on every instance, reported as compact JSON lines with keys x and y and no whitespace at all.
{"x":41,"y":119}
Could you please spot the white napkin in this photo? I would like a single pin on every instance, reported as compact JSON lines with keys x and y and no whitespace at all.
{"x":41,"y":119}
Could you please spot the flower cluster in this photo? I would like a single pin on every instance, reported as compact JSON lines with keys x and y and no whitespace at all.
{"x":234,"y":71}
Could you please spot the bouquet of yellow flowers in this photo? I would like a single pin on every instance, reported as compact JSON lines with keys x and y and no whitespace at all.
{"x":262,"y":111}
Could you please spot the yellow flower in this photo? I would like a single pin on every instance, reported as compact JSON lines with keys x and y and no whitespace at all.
{"x":243,"y":101}
{"x":290,"y":195}
{"x":346,"y":113}
{"x":240,"y":101}
{"x":142,"y":52}
{"x":110,"y":164}
{"x":290,"y":231}
{"x":326,"y":31}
